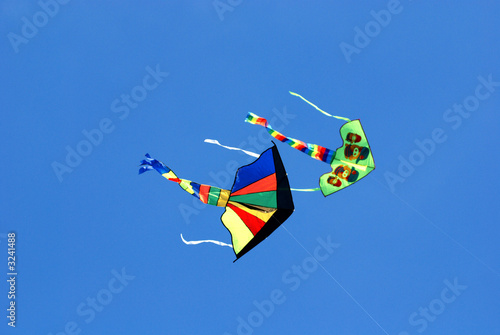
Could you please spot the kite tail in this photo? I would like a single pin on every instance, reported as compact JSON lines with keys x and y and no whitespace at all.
{"x":205,"y":193}
{"x":315,"y":151}
{"x":305,"y":189}
{"x":249,"y":153}
{"x":222,"y":244}
{"x":153,"y":164}
{"x":322,"y":111}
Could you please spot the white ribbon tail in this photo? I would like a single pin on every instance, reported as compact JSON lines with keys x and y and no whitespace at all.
{"x":222,"y":244}
{"x":319,"y":109}
{"x":253,"y":154}
{"x":305,"y":189}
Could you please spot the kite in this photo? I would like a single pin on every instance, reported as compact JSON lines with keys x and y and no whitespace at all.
{"x":350,"y":162}
{"x":259,"y":201}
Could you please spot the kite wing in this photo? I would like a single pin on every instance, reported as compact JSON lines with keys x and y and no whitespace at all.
{"x":352,"y":162}
{"x":260,"y":201}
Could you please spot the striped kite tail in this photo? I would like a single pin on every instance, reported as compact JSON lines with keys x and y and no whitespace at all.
{"x":255,"y":119}
{"x":153,"y":164}
{"x":205,"y":193}
{"x":313,"y":150}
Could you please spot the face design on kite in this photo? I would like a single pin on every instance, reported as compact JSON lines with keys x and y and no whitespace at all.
{"x":353,"y":151}
{"x":343,"y":172}
{"x":356,"y":153}
{"x":346,"y":173}
{"x":353,"y":138}
{"x":334,"y":180}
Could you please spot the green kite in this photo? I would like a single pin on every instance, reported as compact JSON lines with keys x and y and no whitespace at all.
{"x":350,"y":163}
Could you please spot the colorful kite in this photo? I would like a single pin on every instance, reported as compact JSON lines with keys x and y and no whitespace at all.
{"x":350,"y":163}
{"x":258,"y":203}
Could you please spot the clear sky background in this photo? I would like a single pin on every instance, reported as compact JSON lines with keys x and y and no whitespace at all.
{"x":98,"y":247}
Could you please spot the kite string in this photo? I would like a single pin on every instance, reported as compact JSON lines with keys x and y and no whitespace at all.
{"x":322,"y":111}
{"x":253,"y":154}
{"x":335,"y":280}
{"x":206,"y":241}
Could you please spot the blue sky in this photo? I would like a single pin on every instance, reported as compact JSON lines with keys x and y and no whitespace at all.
{"x":410,"y":249}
